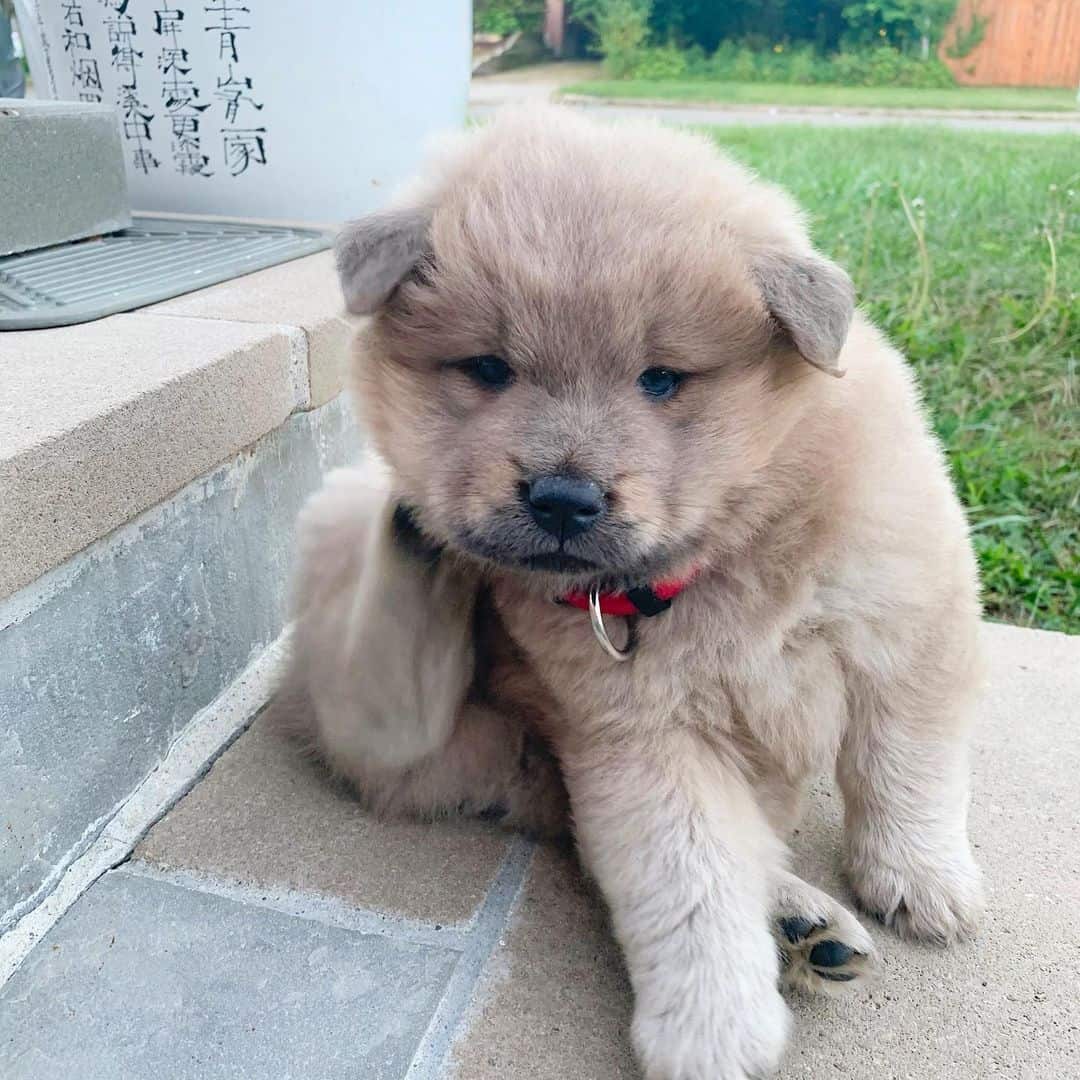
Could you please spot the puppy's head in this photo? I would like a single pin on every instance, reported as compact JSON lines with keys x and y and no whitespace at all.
{"x":588,"y":342}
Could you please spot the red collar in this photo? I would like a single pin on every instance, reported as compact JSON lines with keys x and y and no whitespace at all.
{"x":645,"y":600}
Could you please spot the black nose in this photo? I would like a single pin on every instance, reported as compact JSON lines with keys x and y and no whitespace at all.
{"x":564,"y":505}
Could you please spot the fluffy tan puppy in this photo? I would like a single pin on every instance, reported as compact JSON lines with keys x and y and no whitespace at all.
{"x":605,"y":358}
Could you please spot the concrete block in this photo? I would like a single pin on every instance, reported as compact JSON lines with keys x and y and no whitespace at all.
{"x":108,"y":658}
{"x":101,"y":421}
{"x":146,"y":979}
{"x":304,"y":294}
{"x":279,"y":821}
{"x":63,"y":173}
{"x":556,"y":1004}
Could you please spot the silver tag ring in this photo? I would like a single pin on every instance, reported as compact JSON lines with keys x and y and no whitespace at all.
{"x":596,"y":616}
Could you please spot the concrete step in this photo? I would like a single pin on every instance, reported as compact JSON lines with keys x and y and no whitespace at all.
{"x":266,"y":926}
{"x":151,"y":468}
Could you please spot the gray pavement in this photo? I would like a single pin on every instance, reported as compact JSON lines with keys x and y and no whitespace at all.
{"x":544,"y":83}
{"x":266,"y":927}
{"x":760,"y":115}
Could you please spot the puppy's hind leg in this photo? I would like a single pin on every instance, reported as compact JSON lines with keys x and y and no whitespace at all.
{"x":382,"y":630}
{"x":382,"y":663}
{"x":492,"y":767}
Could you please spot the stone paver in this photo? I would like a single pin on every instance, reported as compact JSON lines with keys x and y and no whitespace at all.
{"x":1005,"y":1006}
{"x":266,"y":816}
{"x":144,"y":979}
{"x":210,"y":968}
{"x":555,"y":1004}
{"x":303,"y":293}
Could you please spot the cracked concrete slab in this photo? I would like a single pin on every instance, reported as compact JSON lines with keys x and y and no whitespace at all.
{"x":555,"y":1003}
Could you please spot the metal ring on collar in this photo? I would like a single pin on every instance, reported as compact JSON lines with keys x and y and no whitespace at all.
{"x":596,"y":616}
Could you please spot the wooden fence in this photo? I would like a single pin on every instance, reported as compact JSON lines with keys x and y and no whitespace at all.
{"x":1024,"y":43}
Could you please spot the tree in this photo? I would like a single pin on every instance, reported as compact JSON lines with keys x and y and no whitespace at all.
{"x":901,"y":21}
{"x":621,"y":28}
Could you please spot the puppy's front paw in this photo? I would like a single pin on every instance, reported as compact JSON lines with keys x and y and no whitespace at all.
{"x":936,"y":898}
{"x":823,"y":947}
{"x":736,"y":1032}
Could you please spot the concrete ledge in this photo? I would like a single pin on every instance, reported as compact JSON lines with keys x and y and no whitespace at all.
{"x":303,"y":294}
{"x":229,"y":968}
{"x":100,"y":421}
{"x":104,"y":660}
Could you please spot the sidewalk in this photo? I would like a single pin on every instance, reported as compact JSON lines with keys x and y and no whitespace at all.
{"x":265,"y":927}
{"x":544,"y":82}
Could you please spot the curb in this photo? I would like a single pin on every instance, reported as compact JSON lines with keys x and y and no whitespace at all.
{"x":1066,"y":118}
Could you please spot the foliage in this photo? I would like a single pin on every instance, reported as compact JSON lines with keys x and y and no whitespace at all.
{"x":758,"y":23}
{"x":968,"y":38}
{"x":621,"y":28}
{"x":733,"y":62}
{"x":770,"y":40}
{"x":827,"y":25}
{"x":902,"y":22}
{"x":663,"y":62}
{"x":507,"y":16}
{"x":886,"y":66}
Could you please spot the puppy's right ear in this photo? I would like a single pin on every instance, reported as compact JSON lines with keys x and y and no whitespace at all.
{"x":375,"y":252}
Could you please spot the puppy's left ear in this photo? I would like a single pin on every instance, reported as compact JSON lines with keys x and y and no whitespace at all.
{"x":375,"y":252}
{"x":812,"y":300}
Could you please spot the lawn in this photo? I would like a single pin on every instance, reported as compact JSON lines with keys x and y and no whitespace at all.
{"x":1019,"y":98}
{"x":996,"y":348}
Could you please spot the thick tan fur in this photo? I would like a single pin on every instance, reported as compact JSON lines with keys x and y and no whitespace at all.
{"x":833,"y":621}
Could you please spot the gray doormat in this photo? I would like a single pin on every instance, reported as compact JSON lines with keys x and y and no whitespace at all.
{"x":157,"y":258}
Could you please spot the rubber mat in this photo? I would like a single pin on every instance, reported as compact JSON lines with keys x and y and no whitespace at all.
{"x":157,"y":258}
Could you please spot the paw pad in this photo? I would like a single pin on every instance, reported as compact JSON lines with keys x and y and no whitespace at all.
{"x":813,"y":954}
{"x":796,"y":928}
{"x":829,"y":954}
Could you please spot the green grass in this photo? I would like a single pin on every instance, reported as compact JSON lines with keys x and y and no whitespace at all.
{"x":1019,"y":98}
{"x":1005,"y":401}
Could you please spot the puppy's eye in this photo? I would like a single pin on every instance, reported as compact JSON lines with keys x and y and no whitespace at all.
{"x":659,"y":382}
{"x":491,"y":372}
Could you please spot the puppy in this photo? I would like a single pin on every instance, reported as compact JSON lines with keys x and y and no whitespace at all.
{"x":603,"y":373}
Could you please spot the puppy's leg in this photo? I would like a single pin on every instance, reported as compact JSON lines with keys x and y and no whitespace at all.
{"x":903,"y":768}
{"x":382,"y":631}
{"x":491,"y":767}
{"x":823,"y":947}
{"x":685,"y":860}
{"x":383,"y":658}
